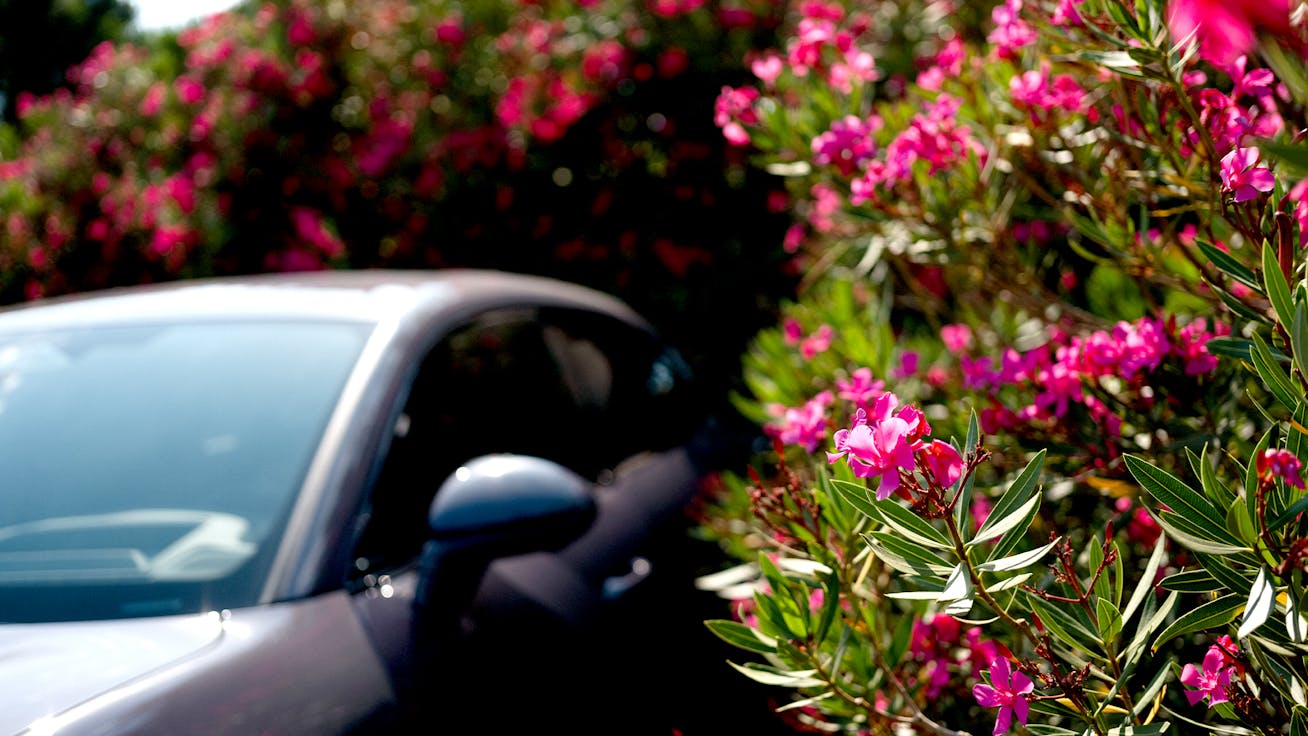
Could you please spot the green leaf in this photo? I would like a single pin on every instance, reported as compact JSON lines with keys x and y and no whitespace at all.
{"x":1214,"y":613}
{"x":1293,"y":155}
{"x":1185,"y":501}
{"x":1109,"y":619}
{"x":1226,"y":573}
{"x":830,"y":605}
{"x":774,"y":676}
{"x":1191,"y":581}
{"x":1017,"y":561}
{"x":1230,"y":347}
{"x":741,"y":636}
{"x":912,"y":526}
{"x":1272,"y":376}
{"x":963,"y":502}
{"x":1299,"y":721}
{"x":1146,"y":584}
{"x":1227,"y":264}
{"x":1296,"y":508}
{"x":1262,"y":599}
{"x":1299,"y":338}
{"x":1295,"y":623}
{"x":1278,"y":289}
{"x":1251,"y":475}
{"x":1019,"y":493}
{"x":1237,"y":305}
{"x":989,"y":531}
{"x":1193,"y":537}
{"x":856,"y":495}
{"x":1153,"y":729}
{"x":905,"y":556}
{"x":1072,"y":628}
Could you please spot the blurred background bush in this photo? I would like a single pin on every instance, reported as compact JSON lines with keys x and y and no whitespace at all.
{"x":569,"y":138}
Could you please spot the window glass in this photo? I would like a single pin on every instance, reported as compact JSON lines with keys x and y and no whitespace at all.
{"x":578,"y":388}
{"x":142,"y":464}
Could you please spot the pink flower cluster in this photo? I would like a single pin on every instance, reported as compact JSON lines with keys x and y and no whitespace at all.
{"x":803,"y":426}
{"x":826,"y":43}
{"x":942,"y":648}
{"x":1283,"y":464}
{"x":1037,"y":92}
{"x":887,"y":441}
{"x":934,"y":136}
{"x":1057,"y":372}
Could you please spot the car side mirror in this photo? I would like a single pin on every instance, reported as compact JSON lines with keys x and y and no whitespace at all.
{"x":495,"y":506}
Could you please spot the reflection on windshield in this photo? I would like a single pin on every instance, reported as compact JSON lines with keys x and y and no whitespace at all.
{"x":146,"y":468}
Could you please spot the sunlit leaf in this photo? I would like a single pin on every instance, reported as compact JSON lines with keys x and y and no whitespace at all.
{"x":773,"y":676}
{"x":1262,"y":597}
{"x":991,"y":530}
{"x":1214,"y":613}
{"x":1018,"y":561}
{"x":741,"y":636}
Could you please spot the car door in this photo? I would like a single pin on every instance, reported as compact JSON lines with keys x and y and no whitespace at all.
{"x":598,"y":395}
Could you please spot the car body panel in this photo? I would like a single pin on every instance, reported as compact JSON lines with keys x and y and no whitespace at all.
{"x":303,"y":667}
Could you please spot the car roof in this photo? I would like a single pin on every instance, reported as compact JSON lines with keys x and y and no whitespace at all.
{"x":367,"y":296}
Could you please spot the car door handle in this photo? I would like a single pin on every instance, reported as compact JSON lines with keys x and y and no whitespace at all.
{"x":617,"y":586}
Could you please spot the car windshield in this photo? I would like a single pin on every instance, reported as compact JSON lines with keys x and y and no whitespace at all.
{"x":149,"y":470}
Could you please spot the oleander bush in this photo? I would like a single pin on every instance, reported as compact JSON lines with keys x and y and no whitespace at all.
{"x":572,"y":139}
{"x":1040,"y":411}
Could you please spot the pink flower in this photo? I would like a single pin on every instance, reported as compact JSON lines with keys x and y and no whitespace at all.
{"x":942,"y":462}
{"x":957,"y":338}
{"x":818,"y":342}
{"x":767,"y":68}
{"x":1005,"y":692}
{"x":1225,"y":29}
{"x":804,"y":426}
{"x":1280,"y":464}
{"x":860,"y":389}
{"x":1241,"y":177}
{"x":1210,"y":682}
{"x":880,"y":449}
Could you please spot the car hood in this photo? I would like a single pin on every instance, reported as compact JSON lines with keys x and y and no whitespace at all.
{"x":47,"y":668}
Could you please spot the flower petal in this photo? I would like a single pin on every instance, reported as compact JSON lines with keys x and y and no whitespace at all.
{"x":986,"y":696}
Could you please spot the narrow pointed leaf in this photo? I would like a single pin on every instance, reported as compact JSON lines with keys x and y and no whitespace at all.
{"x":957,"y":587}
{"x":1146,"y":584}
{"x":1299,"y":338}
{"x":773,"y":676}
{"x":1214,"y":613}
{"x":1273,"y":376}
{"x":741,"y":636}
{"x":1191,"y":581}
{"x":1262,"y":598}
{"x":1295,"y":623}
{"x":1017,"y":561}
{"x":1185,"y":501}
{"x":1227,"y":264}
{"x":1278,"y":290}
{"x":1019,"y":493}
{"x":989,"y":531}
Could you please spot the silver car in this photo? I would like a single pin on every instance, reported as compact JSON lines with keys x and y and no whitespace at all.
{"x":220,"y":509}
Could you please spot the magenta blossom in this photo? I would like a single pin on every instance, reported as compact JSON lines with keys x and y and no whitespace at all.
{"x":942,"y":462}
{"x":1210,"y":682}
{"x":1009,"y":694}
{"x":879,"y":449}
{"x":1225,"y":29}
{"x":1242,"y":177}
{"x":1280,"y":463}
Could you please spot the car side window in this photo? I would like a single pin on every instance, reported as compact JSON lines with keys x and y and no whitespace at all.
{"x":582,"y":389}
